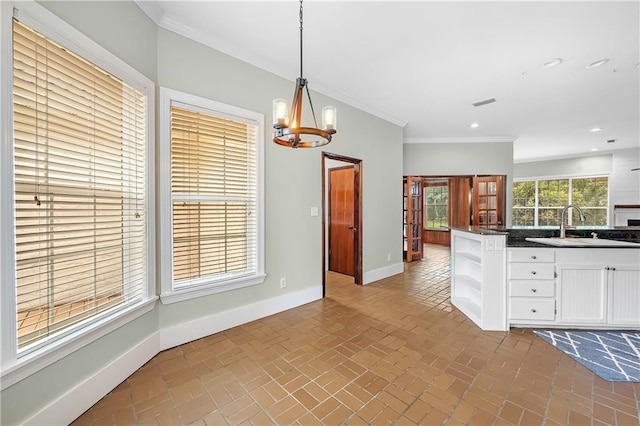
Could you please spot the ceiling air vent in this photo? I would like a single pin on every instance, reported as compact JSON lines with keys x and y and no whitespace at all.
{"x":485,"y":102}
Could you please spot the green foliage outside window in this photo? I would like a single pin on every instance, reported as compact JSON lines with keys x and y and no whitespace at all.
{"x":590,"y":194}
{"x":436,"y":203}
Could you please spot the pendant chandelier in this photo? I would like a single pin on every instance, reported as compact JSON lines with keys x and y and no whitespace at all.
{"x":288,"y":128}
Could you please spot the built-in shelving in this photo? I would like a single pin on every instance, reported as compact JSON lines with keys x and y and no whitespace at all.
{"x":478,"y":278}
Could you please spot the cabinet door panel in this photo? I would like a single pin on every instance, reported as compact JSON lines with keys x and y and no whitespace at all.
{"x":581,"y":294}
{"x":624,"y":296}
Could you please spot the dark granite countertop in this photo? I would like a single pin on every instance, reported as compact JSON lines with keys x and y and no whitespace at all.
{"x":516,"y":237}
{"x":483,"y":230}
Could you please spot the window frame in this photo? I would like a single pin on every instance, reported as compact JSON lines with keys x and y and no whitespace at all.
{"x":202,"y":286}
{"x":570,"y":178}
{"x":18,"y":365}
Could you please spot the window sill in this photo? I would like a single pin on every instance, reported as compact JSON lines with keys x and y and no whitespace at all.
{"x":37,"y":360}
{"x":187,"y":293}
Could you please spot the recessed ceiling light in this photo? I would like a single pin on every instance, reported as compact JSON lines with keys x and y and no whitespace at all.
{"x":473,"y":125}
{"x":597,"y":64}
{"x":553,"y":63}
{"x":596,"y":129}
{"x":638,"y":65}
{"x":594,"y":149}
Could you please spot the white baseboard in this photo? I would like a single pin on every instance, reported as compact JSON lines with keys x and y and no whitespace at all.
{"x":186,"y":332}
{"x":76,"y":401}
{"x":378,"y":274}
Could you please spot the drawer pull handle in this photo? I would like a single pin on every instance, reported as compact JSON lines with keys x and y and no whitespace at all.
{"x":533,"y":290}
{"x":534,"y":257}
{"x":534,"y":311}
{"x":533,"y":272}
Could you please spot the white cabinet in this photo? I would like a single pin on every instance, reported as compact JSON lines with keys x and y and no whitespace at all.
{"x":478,"y":278}
{"x":624,"y":295}
{"x":599,"y":287}
{"x":531,"y":273}
{"x":574,"y":287}
{"x":582,"y":292}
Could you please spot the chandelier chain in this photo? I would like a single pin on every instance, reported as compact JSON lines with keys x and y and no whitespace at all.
{"x":300,"y":38}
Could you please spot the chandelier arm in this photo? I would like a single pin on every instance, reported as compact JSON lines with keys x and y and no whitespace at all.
{"x":313,"y":112}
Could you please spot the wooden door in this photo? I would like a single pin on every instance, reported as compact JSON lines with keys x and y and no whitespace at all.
{"x":413,"y":218}
{"x":488,"y":201}
{"x":460,"y":201}
{"x":342,"y":228}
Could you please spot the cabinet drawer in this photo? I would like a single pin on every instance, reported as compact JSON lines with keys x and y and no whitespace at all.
{"x":532,"y":309}
{"x":540,"y":255}
{"x":529,"y":271}
{"x":532,"y":288}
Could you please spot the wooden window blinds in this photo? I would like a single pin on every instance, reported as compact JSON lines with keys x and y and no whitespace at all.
{"x":79,"y":155}
{"x":214,"y":198}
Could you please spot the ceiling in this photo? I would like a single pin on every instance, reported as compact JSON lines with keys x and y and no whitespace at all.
{"x":421,"y":64}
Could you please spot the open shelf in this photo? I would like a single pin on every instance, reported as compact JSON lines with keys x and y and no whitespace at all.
{"x":475,"y":258}
{"x":468,"y":282}
{"x":469,"y":307}
{"x":478,"y":286}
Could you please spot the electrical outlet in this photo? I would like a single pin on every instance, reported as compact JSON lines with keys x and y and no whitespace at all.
{"x":389,"y":257}
{"x":283,"y":282}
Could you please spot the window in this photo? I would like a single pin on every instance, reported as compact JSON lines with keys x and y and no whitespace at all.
{"x":213,"y":232}
{"x":77,"y":191}
{"x":540,"y":202}
{"x":436,"y":204}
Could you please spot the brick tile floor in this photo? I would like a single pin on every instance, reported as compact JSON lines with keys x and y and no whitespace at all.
{"x":392,"y":352}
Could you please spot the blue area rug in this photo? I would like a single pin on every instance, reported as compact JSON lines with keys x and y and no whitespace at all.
{"x":612,"y":355}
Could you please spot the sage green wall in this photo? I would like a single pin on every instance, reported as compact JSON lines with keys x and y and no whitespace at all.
{"x":121,"y":27}
{"x":451,"y":159}
{"x":293,"y":185}
{"x":292,"y":177}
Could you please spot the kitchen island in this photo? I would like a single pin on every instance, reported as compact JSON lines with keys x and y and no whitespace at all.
{"x":500,"y":279}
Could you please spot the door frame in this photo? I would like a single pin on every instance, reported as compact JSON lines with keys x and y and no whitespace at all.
{"x":357,"y":213}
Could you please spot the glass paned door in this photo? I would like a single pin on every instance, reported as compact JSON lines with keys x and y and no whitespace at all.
{"x":488,"y":201}
{"x":413,"y":218}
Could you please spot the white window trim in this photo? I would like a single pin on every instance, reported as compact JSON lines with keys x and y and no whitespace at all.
{"x":168,"y":292}
{"x":570,"y":177}
{"x":16,"y":367}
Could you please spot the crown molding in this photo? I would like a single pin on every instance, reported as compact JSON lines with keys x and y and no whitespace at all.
{"x":173,"y":24}
{"x":463,"y":139}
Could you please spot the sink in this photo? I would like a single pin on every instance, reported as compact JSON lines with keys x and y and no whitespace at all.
{"x":582,"y":242}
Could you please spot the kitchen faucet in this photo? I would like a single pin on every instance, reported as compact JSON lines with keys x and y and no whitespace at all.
{"x":563,"y":228}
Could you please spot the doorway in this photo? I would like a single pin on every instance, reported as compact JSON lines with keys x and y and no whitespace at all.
{"x":341,"y":234}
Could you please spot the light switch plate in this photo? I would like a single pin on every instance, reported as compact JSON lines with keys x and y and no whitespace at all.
{"x":314,"y":211}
